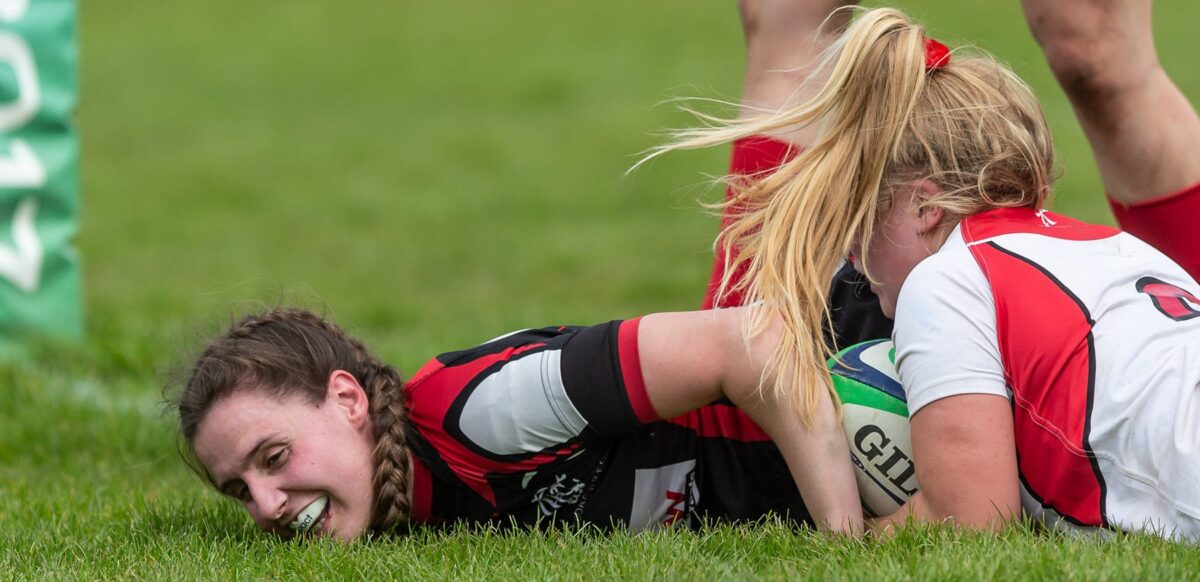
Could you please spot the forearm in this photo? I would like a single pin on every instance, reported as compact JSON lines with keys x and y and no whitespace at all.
{"x":816,"y":451}
{"x":817,"y":455}
{"x":691,"y":359}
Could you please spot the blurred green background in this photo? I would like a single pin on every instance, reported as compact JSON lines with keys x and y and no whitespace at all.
{"x":432,"y":174}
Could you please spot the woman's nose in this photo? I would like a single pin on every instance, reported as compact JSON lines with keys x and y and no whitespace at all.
{"x":268,"y":504}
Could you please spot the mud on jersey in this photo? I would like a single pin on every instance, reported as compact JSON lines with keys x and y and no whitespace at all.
{"x":554,"y":424}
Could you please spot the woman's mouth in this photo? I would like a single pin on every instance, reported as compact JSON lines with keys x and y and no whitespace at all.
{"x":312,"y":517}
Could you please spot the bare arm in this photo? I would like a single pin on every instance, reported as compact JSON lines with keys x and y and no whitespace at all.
{"x":692,"y":359}
{"x":966,"y":464}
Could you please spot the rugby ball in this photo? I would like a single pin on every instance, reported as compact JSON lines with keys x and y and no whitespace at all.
{"x":875,"y":416}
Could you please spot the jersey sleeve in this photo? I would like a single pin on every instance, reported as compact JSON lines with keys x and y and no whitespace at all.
{"x":1168,"y":224}
{"x":945,"y":333}
{"x":532,"y":393}
{"x":602,"y":378}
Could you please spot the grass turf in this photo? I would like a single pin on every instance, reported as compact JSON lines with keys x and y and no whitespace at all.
{"x":433,"y":175}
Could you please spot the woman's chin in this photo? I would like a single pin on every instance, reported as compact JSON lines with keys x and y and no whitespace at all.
{"x":887,"y":305}
{"x":341,"y":531}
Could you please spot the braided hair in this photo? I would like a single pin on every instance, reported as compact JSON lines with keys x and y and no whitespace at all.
{"x":292,"y":352}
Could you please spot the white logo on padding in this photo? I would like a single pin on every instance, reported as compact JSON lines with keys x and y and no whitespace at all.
{"x":563,"y":492}
{"x":660,"y":495}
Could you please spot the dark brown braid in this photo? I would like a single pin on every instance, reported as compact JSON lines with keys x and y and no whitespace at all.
{"x":293,"y":352}
{"x":392,"y":454}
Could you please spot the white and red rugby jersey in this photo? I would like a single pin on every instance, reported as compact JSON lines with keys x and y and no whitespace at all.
{"x":1094,"y":337}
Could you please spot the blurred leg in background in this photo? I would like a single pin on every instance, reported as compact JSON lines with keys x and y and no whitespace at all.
{"x":784,"y":41}
{"x":1143,"y":131}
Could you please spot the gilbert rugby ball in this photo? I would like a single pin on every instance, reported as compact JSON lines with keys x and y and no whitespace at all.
{"x":875,"y":416}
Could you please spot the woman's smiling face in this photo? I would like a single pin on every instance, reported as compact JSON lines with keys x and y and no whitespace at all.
{"x":282,"y":455}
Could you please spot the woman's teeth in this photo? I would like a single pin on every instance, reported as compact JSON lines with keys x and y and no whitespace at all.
{"x":309,"y":515}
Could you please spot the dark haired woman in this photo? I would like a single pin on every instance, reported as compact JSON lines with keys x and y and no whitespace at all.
{"x":296,"y":419}
{"x":609,"y":425}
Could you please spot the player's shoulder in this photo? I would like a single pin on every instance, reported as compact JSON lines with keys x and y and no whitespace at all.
{"x":952,"y":268}
{"x":505,"y":347}
{"x":523,"y":338}
{"x":948,"y":290}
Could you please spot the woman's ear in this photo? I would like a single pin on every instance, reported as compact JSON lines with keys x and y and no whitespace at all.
{"x":930,"y":217}
{"x":349,"y":396}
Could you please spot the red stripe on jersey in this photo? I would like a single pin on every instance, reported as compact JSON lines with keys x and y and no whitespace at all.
{"x":1026,"y":220}
{"x":631,"y":371}
{"x":1167,"y":224}
{"x":422,"y":492}
{"x":429,"y":368}
{"x":1046,"y":345}
{"x":754,"y":155}
{"x":721,"y":421}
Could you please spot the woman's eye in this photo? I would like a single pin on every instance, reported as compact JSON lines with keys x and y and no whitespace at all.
{"x":275,"y":458}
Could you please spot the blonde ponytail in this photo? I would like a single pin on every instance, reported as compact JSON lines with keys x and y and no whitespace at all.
{"x":969,"y":125}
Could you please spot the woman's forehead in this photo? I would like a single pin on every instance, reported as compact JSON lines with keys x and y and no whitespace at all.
{"x":243,"y":416}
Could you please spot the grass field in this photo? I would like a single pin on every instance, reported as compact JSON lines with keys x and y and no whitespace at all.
{"x":432,"y":174}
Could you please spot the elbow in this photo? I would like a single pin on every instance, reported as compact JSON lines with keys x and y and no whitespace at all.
{"x":986,"y":513}
{"x":1003,"y":511}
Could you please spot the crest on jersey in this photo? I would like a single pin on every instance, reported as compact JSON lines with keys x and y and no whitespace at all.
{"x":563,"y":492}
{"x":1170,"y":300}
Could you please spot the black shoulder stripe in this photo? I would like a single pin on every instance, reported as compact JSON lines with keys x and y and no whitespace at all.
{"x":512,"y":340}
{"x":591,"y":374}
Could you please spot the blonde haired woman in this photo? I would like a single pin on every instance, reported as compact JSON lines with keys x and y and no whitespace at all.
{"x":1014,"y":326}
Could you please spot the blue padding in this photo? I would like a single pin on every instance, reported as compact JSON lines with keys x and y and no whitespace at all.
{"x":852,"y":367}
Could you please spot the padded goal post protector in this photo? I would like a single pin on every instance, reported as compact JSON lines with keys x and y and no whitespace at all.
{"x":39,"y":157}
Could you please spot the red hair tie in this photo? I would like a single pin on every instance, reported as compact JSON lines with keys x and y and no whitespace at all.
{"x":936,"y":55}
